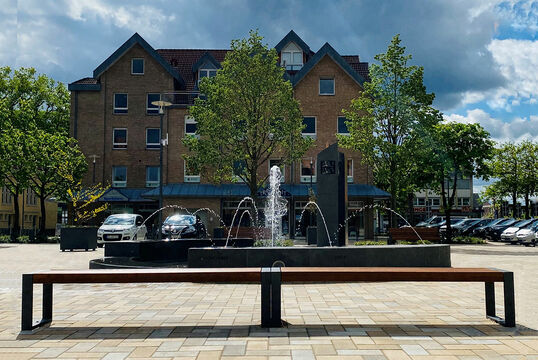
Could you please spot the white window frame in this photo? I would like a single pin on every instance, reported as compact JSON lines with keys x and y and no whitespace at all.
{"x":143,"y":66}
{"x":293,"y":65}
{"x":319,"y":86}
{"x":207,"y":72}
{"x":158,"y":143}
{"x":306,"y":178}
{"x":120,"y":146}
{"x":337,"y":127}
{"x":190,"y":120}
{"x":314,"y":134}
{"x":148,"y":109}
{"x":153,"y":183}
{"x":237,"y":178}
{"x":282,"y":169}
{"x":120,"y":184}
{"x":350,"y":177}
{"x":189,"y":178}
{"x":118,"y":108}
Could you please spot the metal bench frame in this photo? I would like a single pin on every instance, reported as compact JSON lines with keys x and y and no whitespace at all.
{"x":271,"y":280}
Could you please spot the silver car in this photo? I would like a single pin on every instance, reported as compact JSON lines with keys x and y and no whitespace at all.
{"x":528,"y":236}
{"x":122,"y":227}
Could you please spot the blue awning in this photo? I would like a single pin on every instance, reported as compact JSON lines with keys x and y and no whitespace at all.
{"x":124,"y":195}
{"x":242,"y":190}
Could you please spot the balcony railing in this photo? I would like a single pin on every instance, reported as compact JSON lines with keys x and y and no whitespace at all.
{"x":184,"y":98}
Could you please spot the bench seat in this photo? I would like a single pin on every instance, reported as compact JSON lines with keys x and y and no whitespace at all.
{"x":271,"y":280}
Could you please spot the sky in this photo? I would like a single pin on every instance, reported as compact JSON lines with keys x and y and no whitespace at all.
{"x":480,"y":57}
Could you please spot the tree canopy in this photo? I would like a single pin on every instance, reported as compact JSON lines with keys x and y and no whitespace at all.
{"x":246,"y":116}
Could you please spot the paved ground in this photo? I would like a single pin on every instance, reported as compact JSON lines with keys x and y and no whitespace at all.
{"x":328,"y":321}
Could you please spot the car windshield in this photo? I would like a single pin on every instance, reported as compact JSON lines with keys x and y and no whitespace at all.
{"x":522,"y":223}
{"x":180,"y":220}
{"x":509,"y":223}
{"x":495,"y":222}
{"x":119,"y":220}
{"x":530,"y":224}
{"x":471,"y":223}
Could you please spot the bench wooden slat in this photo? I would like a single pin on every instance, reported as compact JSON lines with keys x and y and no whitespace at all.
{"x":372,"y":274}
{"x":149,"y":275}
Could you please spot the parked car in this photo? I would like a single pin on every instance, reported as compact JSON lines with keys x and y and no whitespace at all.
{"x":480,"y":231}
{"x":494,"y":232}
{"x":454,"y":225}
{"x":120,"y":227}
{"x":529,"y":235}
{"x":468,"y":228}
{"x":431,"y":221}
{"x":509,"y":234}
{"x":183,"y":226}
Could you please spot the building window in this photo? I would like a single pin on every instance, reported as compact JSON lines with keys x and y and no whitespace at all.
{"x":349,"y":170}
{"x":239,"y":169}
{"x":150,"y":108}
{"x":203,"y":73}
{"x":342,"y":126}
{"x":190,"y":126}
{"x":291,"y":60}
{"x":153,"y":138}
{"x":6,"y":196}
{"x":137,"y":66}
{"x":463,"y":201}
{"x":152,"y":176}
{"x":31,"y":198}
{"x":189,"y":176}
{"x":278,"y":162}
{"x":120,"y":104}
{"x":308,"y":170}
{"x":119,"y":139}
{"x":119,"y":176}
{"x":310,"y":126}
{"x":420,"y":201}
{"x":326,"y":86}
{"x":435,"y":202}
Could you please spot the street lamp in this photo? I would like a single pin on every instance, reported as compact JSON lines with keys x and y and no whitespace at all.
{"x":161,"y":104}
{"x":93,"y":157}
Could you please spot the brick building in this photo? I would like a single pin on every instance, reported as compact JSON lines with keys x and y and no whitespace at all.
{"x":118,"y":128}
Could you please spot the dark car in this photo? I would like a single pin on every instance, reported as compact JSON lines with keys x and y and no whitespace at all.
{"x":183,"y":227}
{"x":480,"y":231}
{"x":456,"y":226}
{"x":468,"y":229}
{"x":431,"y":221}
{"x":494,"y":232}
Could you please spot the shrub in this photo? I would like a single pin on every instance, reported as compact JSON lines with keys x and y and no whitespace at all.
{"x":266,"y":243}
{"x":5,"y":239}
{"x":467,"y":240}
{"x":370,"y":242}
{"x":24,"y":239}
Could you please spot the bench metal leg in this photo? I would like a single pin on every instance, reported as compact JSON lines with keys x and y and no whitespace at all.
{"x":509,"y":303}
{"x":28,"y":303}
{"x":271,"y":296}
{"x":490,"y":299}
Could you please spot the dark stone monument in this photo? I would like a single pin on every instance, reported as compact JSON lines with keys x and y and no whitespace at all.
{"x":331,"y":196}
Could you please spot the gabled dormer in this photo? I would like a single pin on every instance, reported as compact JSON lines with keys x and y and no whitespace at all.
{"x":206,"y":66}
{"x":293,"y":52}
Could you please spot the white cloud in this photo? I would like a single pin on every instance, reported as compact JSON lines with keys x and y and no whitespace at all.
{"x":145,"y":19}
{"x":517,"y":61}
{"x":517,"y":130}
{"x":521,"y":15}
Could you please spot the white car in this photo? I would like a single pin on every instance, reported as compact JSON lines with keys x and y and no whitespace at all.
{"x":528,"y":236}
{"x":122,"y":227}
{"x":510,"y":234}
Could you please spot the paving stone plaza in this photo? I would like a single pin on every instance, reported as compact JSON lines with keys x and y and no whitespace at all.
{"x":326,"y":321}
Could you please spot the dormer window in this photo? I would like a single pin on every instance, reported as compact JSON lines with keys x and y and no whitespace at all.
{"x":203,"y":73}
{"x":291,"y":57}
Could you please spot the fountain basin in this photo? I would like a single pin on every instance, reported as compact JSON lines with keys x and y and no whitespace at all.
{"x":362,"y":256}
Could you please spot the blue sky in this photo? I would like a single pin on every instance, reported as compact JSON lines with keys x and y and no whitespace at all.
{"x":480,"y":58}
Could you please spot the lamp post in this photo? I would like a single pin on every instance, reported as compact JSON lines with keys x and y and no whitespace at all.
{"x":161,"y":104}
{"x":93,"y":157}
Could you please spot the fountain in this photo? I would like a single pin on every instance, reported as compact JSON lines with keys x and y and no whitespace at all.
{"x":276,"y":206}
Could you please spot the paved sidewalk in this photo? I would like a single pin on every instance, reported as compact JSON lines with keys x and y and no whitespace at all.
{"x":328,"y":321}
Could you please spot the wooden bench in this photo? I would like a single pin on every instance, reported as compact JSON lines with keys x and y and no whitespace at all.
{"x":271,"y":280}
{"x":407,"y":234}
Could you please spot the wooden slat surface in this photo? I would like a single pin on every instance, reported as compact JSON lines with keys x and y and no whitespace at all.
{"x":232,"y":275}
{"x":375,"y":274}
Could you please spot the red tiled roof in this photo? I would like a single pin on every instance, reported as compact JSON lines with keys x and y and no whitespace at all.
{"x":85,"y":81}
{"x":182,"y":60}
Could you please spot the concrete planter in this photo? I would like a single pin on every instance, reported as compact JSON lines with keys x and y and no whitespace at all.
{"x":83,"y":238}
{"x":364,"y":256}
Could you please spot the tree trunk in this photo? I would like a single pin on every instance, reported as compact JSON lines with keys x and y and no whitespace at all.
{"x":514,"y":199}
{"x":16,"y":221}
{"x":42,"y":233}
{"x":527,"y":205}
{"x":411,"y":209}
{"x":392,"y":218}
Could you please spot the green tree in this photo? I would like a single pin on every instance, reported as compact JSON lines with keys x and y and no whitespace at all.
{"x":529,"y":172}
{"x":457,"y":150}
{"x":14,"y":168}
{"x":386,"y":121}
{"x":52,"y":156}
{"x":506,"y":167}
{"x":495,"y":193}
{"x":246,"y":116}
